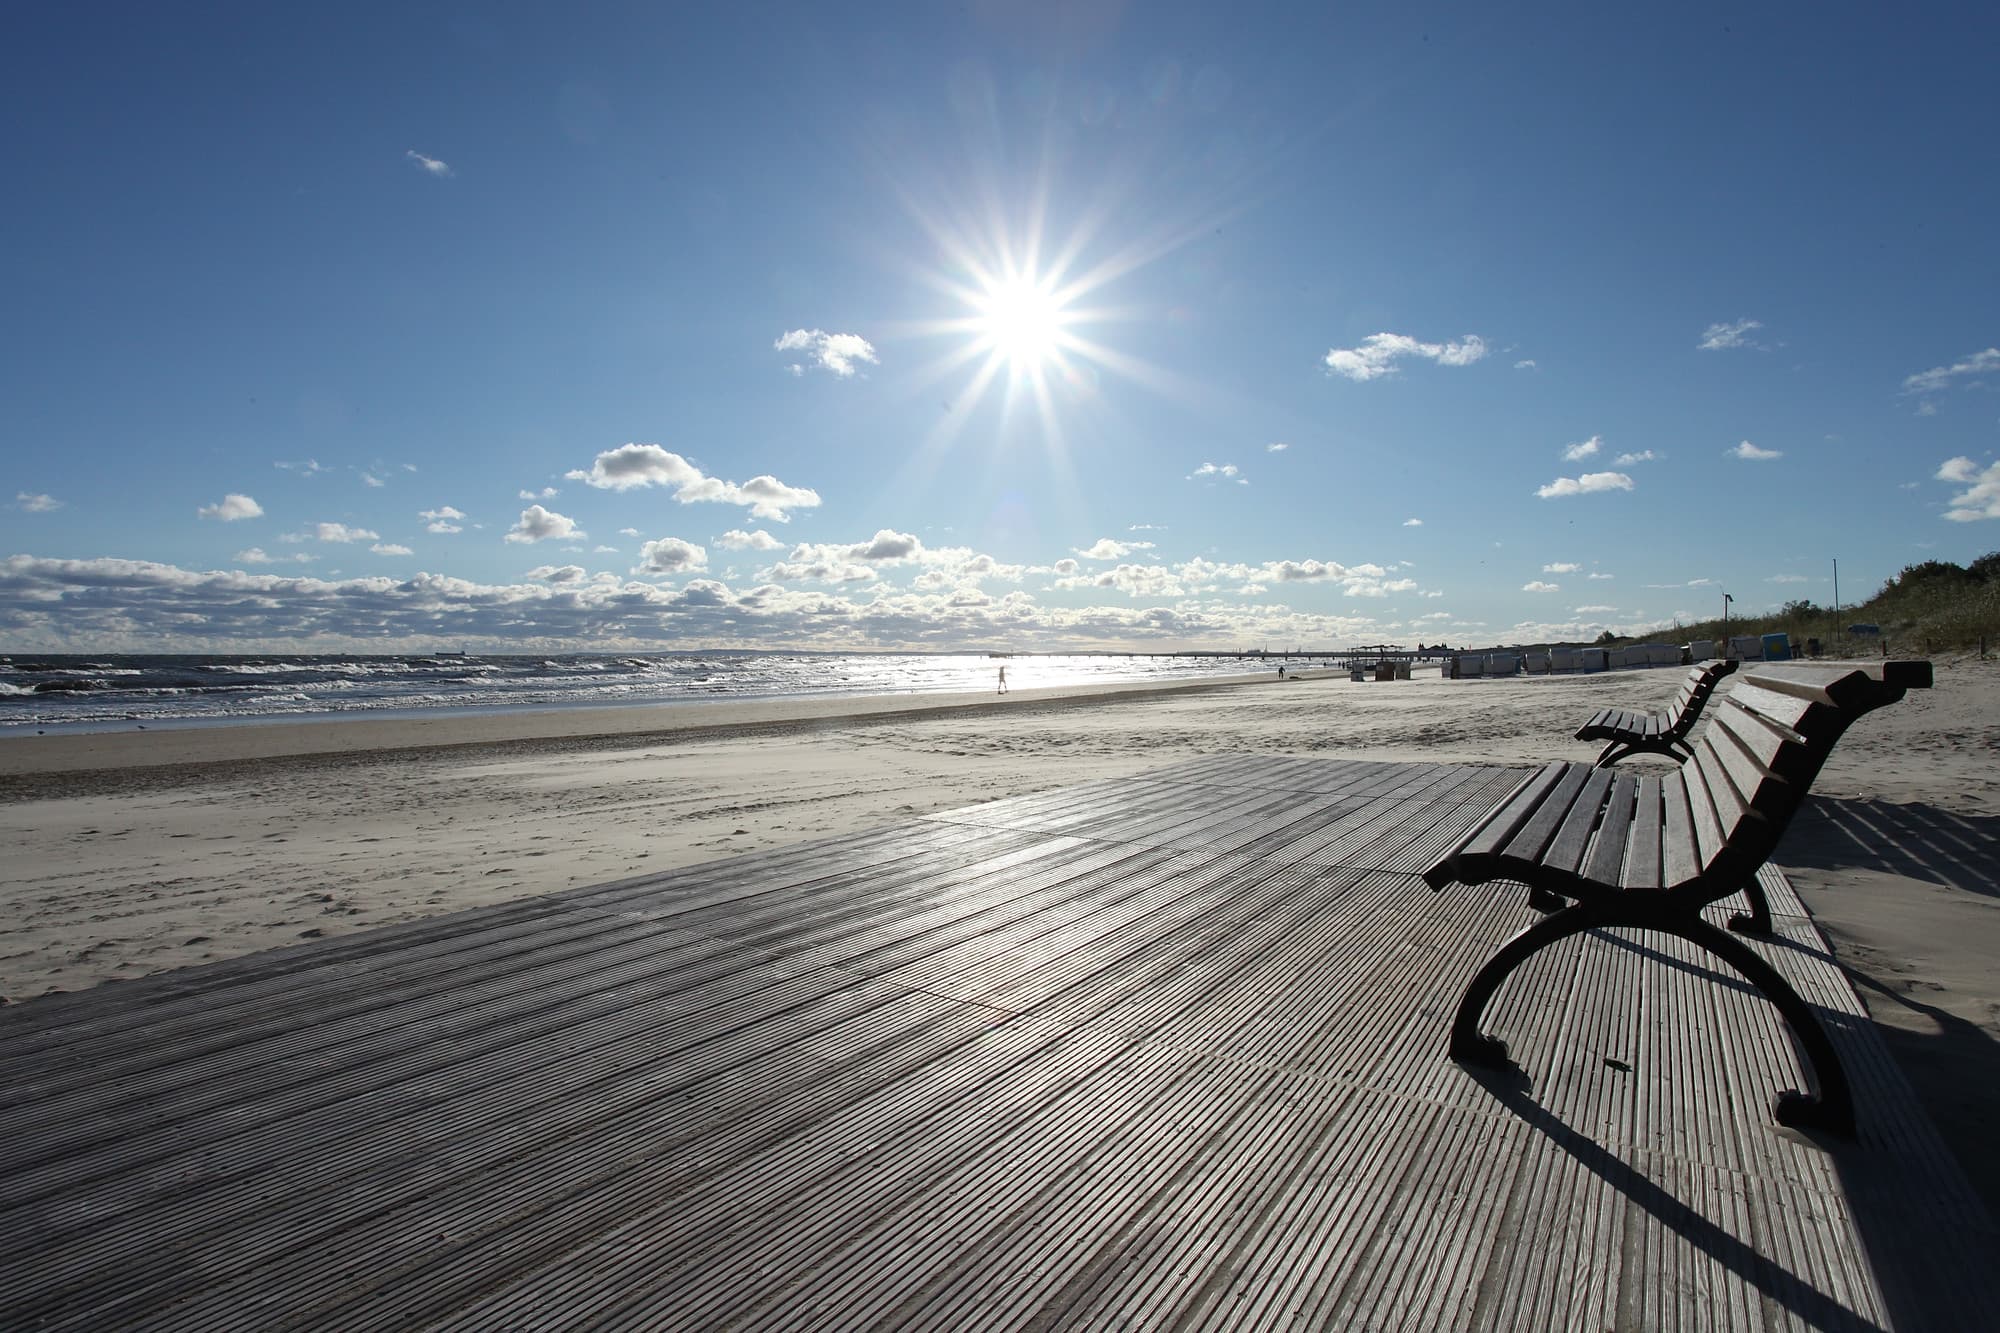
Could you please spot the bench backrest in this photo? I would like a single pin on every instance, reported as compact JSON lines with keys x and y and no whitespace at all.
{"x":1693,"y":695}
{"x":1766,"y":742}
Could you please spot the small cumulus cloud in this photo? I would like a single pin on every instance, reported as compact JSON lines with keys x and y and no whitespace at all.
{"x":1222,"y":471}
{"x":558,"y":574}
{"x":671,"y":555}
{"x":36,"y":504}
{"x":232,"y":508}
{"x":1276,"y":448}
{"x":311,"y":467}
{"x":546,"y":493}
{"x":837,"y":352}
{"x":1527,"y":364}
{"x":1413,"y":523}
{"x":738,"y":540}
{"x":370,"y":479}
{"x":539,"y":524}
{"x":256,"y":556}
{"x":1583,"y":449}
{"x":1561,"y":567}
{"x":1722,"y":337}
{"x":1787,"y":578}
{"x":1981,"y":498}
{"x":1600,"y":577}
{"x":1751,"y":453}
{"x":1106,"y":548}
{"x":443,"y":519}
{"x":1590,"y":483}
{"x":636,"y":465}
{"x":1378,"y":353}
{"x":390,"y":548}
{"x":430,"y":166}
{"x":1627,"y":460}
{"x":341,"y":533}
{"x":1593,"y":610}
{"x":1539,"y":586}
{"x":1985,"y":362}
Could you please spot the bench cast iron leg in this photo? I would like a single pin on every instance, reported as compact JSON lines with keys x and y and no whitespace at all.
{"x":1609,"y":756}
{"x":1833,"y":1109}
{"x":1756,"y":921}
{"x":1467,"y":1045}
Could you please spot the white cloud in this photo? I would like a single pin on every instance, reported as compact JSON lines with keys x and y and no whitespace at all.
{"x":628,"y":532}
{"x":390,"y":548}
{"x":1588,"y":483}
{"x":836,"y":352}
{"x":1413,"y":523}
{"x":1528,"y":364}
{"x":546,"y":493}
{"x":1752,"y":453}
{"x":1986,"y":362}
{"x":1539,"y":586}
{"x":671,"y":555}
{"x":256,"y":556}
{"x":1788,"y":578}
{"x":1561,"y":567}
{"x":1226,"y":471}
{"x":1722,"y":337}
{"x":1576,"y":453}
{"x":737,"y":540}
{"x":443,"y":519}
{"x":1276,"y":448}
{"x":1627,"y":460}
{"x":232,"y":507}
{"x":369,"y":479}
{"x":1378,"y":353}
{"x":1980,"y":499}
{"x":430,"y":166}
{"x":539,"y":524}
{"x":1066,"y":567}
{"x":558,"y":574}
{"x":312,"y":467}
{"x":36,"y":504}
{"x":635,"y":465}
{"x":340,"y":532}
{"x":1106,"y":548}
{"x":1600,"y":577}
{"x":1593,"y":610}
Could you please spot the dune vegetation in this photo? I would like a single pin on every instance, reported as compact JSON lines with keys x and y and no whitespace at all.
{"x":1932,"y":607}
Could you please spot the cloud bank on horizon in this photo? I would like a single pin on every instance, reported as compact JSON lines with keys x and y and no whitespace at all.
{"x":981,"y":334}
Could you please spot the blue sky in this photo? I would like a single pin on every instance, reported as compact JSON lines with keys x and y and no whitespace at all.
{"x":1029,"y":326}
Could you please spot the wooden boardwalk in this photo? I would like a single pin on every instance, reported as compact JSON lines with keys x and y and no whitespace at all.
{"x":1162,"y":1052}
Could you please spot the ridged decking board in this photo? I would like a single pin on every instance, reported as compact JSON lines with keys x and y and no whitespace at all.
{"x":1162,"y":1052}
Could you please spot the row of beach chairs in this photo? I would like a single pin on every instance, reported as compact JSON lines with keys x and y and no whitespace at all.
{"x":1598,"y":846}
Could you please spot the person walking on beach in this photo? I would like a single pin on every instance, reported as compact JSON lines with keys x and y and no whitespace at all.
{"x":1003,"y":681}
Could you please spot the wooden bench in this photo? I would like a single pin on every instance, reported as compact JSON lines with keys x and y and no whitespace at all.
{"x":1630,"y":731}
{"x":1609,"y":848}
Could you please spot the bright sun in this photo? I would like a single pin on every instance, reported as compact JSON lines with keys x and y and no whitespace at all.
{"x":1021,"y":321}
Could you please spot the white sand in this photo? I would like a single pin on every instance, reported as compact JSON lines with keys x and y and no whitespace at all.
{"x":129,"y":853}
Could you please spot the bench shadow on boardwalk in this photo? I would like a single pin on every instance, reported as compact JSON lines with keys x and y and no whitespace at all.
{"x":1166,"y":1051}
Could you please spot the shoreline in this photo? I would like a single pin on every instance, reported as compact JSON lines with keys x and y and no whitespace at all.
{"x":152,"y":746}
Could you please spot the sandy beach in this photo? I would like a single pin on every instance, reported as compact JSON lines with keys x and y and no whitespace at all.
{"x":128,"y":853}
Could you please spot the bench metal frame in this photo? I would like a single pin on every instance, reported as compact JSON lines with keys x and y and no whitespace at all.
{"x":1600,"y":849}
{"x":1632,"y":732}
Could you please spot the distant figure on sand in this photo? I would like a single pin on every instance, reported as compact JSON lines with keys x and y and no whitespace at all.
{"x":1281,"y":673}
{"x":1003,"y":680}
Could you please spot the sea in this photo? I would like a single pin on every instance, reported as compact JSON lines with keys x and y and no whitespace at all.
{"x":107,"y":692}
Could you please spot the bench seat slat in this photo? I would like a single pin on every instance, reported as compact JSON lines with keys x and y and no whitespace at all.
{"x":1642,"y":859}
{"x":1680,"y":855}
{"x":1607,"y":852}
{"x":1712,"y":800}
{"x":1507,"y":819}
{"x":1532,"y":838}
{"x":1572,"y":840}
